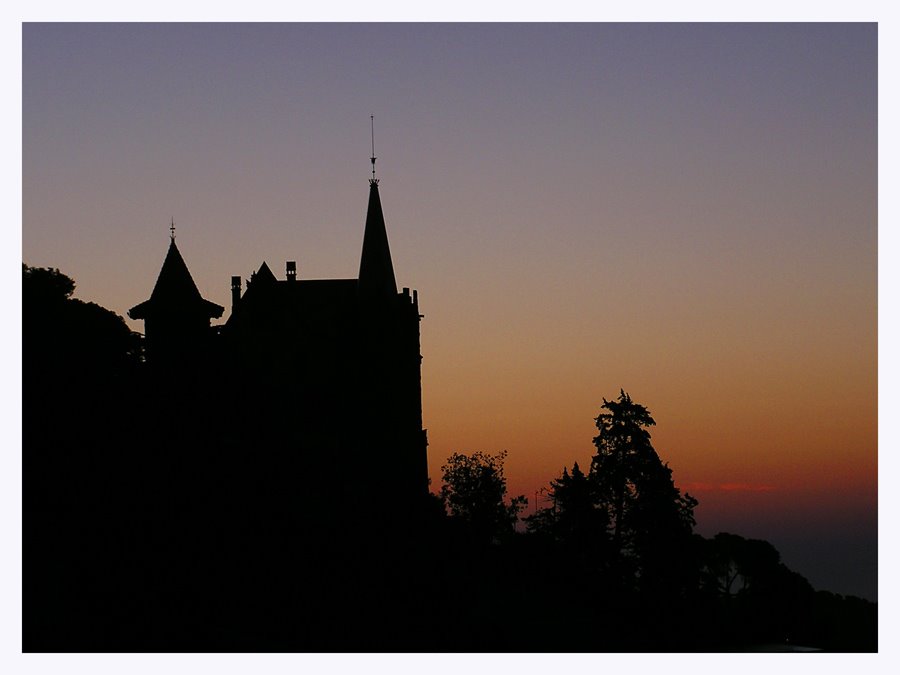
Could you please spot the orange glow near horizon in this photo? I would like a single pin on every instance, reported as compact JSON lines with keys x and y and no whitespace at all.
{"x":741,"y":419}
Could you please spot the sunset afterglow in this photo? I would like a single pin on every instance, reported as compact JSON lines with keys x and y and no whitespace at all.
{"x":687,"y":212}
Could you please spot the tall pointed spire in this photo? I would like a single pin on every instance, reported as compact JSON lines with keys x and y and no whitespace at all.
{"x":376,"y":270}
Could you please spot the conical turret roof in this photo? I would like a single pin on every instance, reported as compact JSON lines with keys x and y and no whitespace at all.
{"x":175,"y":290}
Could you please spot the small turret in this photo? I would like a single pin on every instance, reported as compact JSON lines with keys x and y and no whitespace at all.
{"x":176,"y":317}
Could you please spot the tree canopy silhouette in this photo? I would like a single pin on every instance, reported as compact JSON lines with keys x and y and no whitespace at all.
{"x":62,"y":334}
{"x":474,"y":491}
{"x":576,"y":518}
{"x":626,"y":512}
{"x":44,"y":285}
{"x":632,"y":484}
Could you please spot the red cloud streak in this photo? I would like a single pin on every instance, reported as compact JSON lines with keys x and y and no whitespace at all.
{"x":727,"y":487}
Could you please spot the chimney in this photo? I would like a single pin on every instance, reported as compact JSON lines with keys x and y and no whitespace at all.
{"x":235,"y":292}
{"x":291,"y":270}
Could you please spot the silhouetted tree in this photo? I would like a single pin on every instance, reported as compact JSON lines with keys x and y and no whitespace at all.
{"x":648,"y":517}
{"x":734,"y":565}
{"x":766,"y":601}
{"x":474,"y":491}
{"x":44,"y":285}
{"x":63,"y":335}
{"x":722,"y":573}
{"x":575,"y":516}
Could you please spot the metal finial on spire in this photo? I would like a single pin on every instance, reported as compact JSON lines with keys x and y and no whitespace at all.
{"x":372,"y":117}
{"x":172,"y":229}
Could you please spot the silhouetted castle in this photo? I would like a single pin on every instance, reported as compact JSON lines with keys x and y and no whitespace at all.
{"x":319,"y":376}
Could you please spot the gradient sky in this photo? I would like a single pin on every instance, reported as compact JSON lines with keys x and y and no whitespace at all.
{"x":685,"y":211}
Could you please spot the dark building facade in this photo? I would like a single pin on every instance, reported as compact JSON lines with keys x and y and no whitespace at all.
{"x":315,"y":377}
